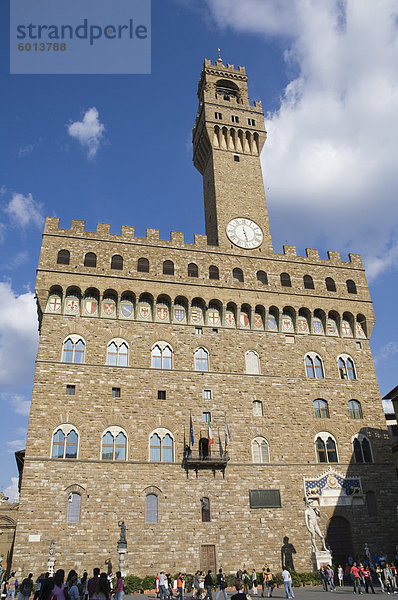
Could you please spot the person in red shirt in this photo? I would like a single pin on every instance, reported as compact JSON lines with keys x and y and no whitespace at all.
{"x":367,"y":579}
{"x":356,"y":579}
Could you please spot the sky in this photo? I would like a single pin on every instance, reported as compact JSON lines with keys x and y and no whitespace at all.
{"x":117,"y":149}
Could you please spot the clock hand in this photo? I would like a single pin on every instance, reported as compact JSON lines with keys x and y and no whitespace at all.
{"x":245,"y":234}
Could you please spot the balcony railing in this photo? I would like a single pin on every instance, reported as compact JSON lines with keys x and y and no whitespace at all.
{"x":198,"y":461}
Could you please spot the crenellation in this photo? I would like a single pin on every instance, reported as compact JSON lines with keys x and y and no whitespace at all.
{"x":290,"y":251}
{"x":355,"y":260}
{"x":176,"y":237}
{"x":334,"y":257}
{"x":103,"y":229}
{"x":128,"y":232}
{"x":312,"y":253}
{"x":152,"y":235}
{"x":77,"y":226}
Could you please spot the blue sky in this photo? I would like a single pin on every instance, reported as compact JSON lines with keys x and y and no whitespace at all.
{"x":117,"y":149}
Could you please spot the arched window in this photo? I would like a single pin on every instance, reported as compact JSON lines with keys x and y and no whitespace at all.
{"x":252,"y":363}
{"x":65,"y":442}
{"x":354,"y":408}
{"x":162,"y":356}
{"x":205,"y":506}
{"x":238,"y":274}
{"x":257,"y":408}
{"x":114,"y":444}
{"x":74,"y":503}
{"x":193,"y":270}
{"x":201,"y":360}
{"x":143,"y":265}
{"x":117,"y":262}
{"x":117,"y":353}
{"x":330,"y":284}
{"x":63,"y":257}
{"x":161,"y":446}
{"x":362,"y":450}
{"x":262,"y":277}
{"x":314,"y":366}
{"x":321,"y":409}
{"x":346,"y":367}
{"x":214,"y":273}
{"x":326,"y":449}
{"x":308,"y":282}
{"x":168,"y":267}
{"x":285,"y":280}
{"x":151,"y":508}
{"x":73,"y":350}
{"x":260,"y":450}
{"x":90,"y":259}
{"x":351,"y":286}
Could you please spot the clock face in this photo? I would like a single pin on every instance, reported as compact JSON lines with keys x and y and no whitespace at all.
{"x":244,"y":233}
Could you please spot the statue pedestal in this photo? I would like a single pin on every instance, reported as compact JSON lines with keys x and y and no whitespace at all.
{"x":321,"y":558}
{"x":122,"y":549}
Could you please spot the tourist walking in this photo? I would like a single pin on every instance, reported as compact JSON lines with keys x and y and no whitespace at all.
{"x":208,"y":585}
{"x":163,"y":585}
{"x":379,"y":575}
{"x":12,"y":585}
{"x":180,"y":586}
{"x":340,"y":575}
{"x":59,"y":591}
{"x":119,"y":586}
{"x":93,"y":583}
{"x":324,"y":578}
{"x":367,"y":579}
{"x":269,"y":582}
{"x":246,"y":581}
{"x":356,"y":579}
{"x":287,"y":582}
{"x":254,"y":582}
{"x":26,"y":588}
{"x":261,"y":579}
{"x":330,"y":576}
{"x":221,"y":585}
{"x":388,"y":579}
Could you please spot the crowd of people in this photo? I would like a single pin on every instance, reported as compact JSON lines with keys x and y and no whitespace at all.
{"x":98,"y":587}
{"x":362,"y":576}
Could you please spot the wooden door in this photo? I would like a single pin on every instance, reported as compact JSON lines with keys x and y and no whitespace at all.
{"x":208,"y":558}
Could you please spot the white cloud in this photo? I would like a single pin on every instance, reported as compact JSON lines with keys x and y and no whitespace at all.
{"x":18,"y":340}
{"x":25,"y":150}
{"x":12,"y":490}
{"x":19,"y":404}
{"x":88,"y":132}
{"x":15,"y":445}
{"x":388,"y":350}
{"x":24,"y":210}
{"x":330,"y":158}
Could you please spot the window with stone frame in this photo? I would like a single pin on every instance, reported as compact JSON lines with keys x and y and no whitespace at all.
{"x":260,"y":450}
{"x":362,"y":449}
{"x":308,"y":282}
{"x":314,"y":366}
{"x":351,"y":286}
{"x":117,"y":262}
{"x":143,"y":265}
{"x":285,"y":280}
{"x":201,"y":360}
{"x":73,"y":350}
{"x":74,"y":504}
{"x":161,"y":446}
{"x":257,"y":408}
{"x":151,"y":508}
{"x":346,"y":367}
{"x":193,"y":270}
{"x":117,"y":353}
{"x":205,"y":509}
{"x":65,"y":442}
{"x":63,"y":257}
{"x":90,"y":259}
{"x":162,"y":356}
{"x":326,"y":448}
{"x":321,"y":409}
{"x":214,"y":272}
{"x":114,"y":444}
{"x":355,"y":409}
{"x":262,"y":277}
{"x":168,"y":267}
{"x":330,"y":284}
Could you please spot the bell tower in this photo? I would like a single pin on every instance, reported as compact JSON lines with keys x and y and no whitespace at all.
{"x":228,"y":137}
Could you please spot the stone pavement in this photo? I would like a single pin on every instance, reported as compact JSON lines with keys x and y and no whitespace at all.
{"x":301,"y":593}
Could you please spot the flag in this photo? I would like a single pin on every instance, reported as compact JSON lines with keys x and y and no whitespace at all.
{"x":220,"y":444}
{"x":227,"y":432}
{"x":211,"y":441}
{"x":191,"y":431}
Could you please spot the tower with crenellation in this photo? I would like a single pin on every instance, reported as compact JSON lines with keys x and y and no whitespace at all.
{"x":266,"y":354}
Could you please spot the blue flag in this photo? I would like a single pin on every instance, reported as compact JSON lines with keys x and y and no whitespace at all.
{"x":191,"y":431}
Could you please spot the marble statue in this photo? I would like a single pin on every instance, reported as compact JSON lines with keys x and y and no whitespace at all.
{"x":311,"y":515}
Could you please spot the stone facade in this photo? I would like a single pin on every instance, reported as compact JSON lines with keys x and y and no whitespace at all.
{"x":8,"y":523}
{"x":254,"y":332}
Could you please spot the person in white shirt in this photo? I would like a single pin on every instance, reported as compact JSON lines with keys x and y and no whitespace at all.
{"x":163,"y":585}
{"x":287,"y":582}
